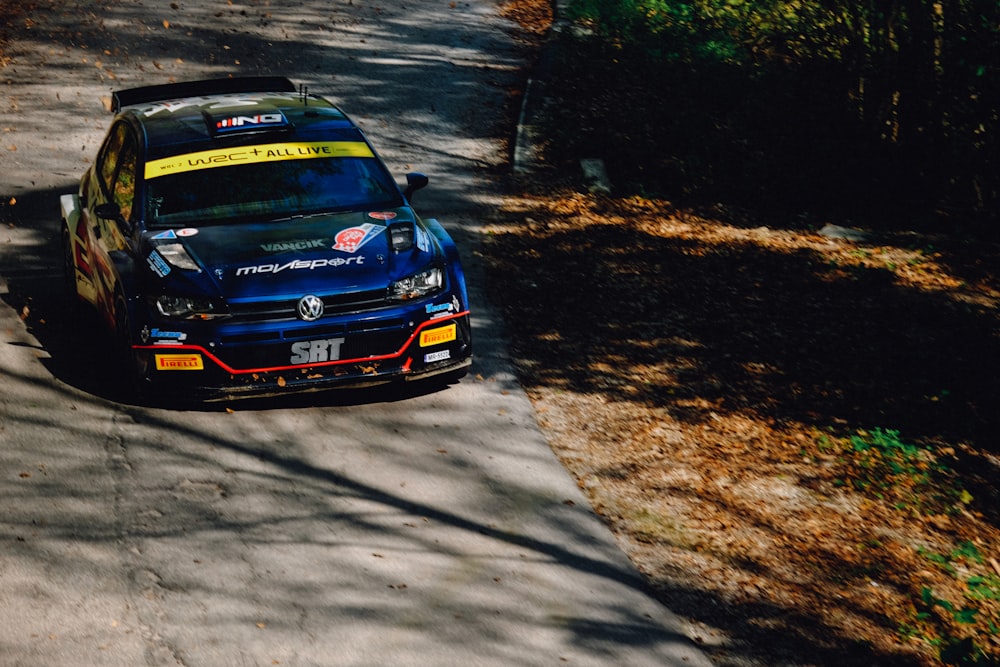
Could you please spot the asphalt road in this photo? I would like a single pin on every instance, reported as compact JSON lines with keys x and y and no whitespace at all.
{"x":425,"y":526}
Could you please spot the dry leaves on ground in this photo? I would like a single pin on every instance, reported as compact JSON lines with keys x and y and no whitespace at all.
{"x":703,"y":381}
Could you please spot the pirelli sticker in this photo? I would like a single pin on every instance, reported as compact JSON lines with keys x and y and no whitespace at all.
{"x":179,"y":362}
{"x":437,"y":336}
{"x":225,"y":157}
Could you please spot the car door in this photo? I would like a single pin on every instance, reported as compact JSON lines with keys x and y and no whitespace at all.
{"x":113,"y":180}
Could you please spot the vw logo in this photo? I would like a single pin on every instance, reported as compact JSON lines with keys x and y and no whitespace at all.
{"x":310,"y":308}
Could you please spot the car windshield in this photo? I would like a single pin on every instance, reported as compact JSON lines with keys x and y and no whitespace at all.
{"x":268,"y":190}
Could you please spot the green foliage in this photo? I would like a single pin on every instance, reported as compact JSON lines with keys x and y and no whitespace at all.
{"x":806,"y":103}
{"x":908,"y":476}
{"x":965,"y":631}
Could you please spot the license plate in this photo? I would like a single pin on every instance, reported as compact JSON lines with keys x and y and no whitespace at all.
{"x":431,"y":357}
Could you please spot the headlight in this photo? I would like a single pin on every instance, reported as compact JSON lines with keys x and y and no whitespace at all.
{"x":188,"y":308}
{"x":417,"y":285}
{"x":176,"y":254}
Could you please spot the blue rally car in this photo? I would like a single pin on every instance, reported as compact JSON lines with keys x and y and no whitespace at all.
{"x":241,"y":236}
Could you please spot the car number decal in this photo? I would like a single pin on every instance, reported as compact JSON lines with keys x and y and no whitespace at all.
{"x":224,"y":157}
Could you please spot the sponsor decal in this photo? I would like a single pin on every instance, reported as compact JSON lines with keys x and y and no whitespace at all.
{"x":431,"y":357}
{"x":177,"y":336}
{"x":316,"y":351}
{"x":382,"y":215}
{"x":158,"y":264}
{"x":169,"y":234}
{"x":214,"y":102}
{"x":437,"y":336}
{"x":187,"y":231}
{"x":352,"y":238}
{"x":162,"y":337}
{"x":239,"y":122}
{"x":438,"y":308}
{"x":423,"y":240}
{"x":299,"y":264}
{"x":179,"y":362}
{"x":224,"y":157}
{"x":286,"y":246}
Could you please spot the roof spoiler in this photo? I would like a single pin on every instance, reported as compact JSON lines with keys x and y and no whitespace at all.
{"x":172,"y":91}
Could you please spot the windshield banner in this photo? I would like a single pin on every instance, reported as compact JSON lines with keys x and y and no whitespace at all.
{"x":225,"y":157}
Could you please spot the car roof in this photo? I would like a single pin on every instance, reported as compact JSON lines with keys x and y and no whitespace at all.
{"x":197,"y":115}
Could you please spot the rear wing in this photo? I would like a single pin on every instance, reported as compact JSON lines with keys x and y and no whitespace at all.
{"x":172,"y":91}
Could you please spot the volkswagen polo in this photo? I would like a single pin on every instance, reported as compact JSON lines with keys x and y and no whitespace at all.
{"x":242,"y":236}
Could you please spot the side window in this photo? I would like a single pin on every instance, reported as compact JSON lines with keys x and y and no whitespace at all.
{"x":123,"y":192}
{"x":117,"y":164}
{"x":108,"y":158}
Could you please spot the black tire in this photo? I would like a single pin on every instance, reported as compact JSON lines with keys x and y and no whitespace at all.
{"x":129,"y":382}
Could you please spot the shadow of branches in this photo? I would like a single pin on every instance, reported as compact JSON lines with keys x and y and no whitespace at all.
{"x":706,"y":361}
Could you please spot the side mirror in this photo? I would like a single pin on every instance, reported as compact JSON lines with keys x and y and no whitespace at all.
{"x":414,"y":181}
{"x":110,"y":211}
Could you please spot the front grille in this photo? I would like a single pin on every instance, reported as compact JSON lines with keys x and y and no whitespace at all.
{"x":335,"y":304}
{"x":391,"y":325}
{"x":361,"y":340}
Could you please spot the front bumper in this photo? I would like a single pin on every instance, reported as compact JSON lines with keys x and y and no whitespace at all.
{"x":361,"y":352}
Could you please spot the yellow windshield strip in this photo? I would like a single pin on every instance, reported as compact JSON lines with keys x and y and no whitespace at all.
{"x":224,"y":157}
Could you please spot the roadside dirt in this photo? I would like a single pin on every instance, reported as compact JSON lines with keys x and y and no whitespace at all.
{"x":792,"y":433}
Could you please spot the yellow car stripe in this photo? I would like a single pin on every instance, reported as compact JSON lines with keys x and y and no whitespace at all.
{"x":224,"y":157}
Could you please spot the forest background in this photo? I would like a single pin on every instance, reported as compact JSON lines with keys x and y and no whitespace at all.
{"x":879,"y":107}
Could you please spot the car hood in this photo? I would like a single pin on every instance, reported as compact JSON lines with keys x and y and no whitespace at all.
{"x":323,"y":254}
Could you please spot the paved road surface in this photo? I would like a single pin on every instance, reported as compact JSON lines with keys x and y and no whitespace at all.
{"x":432,"y":527}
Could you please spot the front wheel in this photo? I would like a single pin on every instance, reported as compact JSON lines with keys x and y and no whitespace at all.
{"x":129,"y":377}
